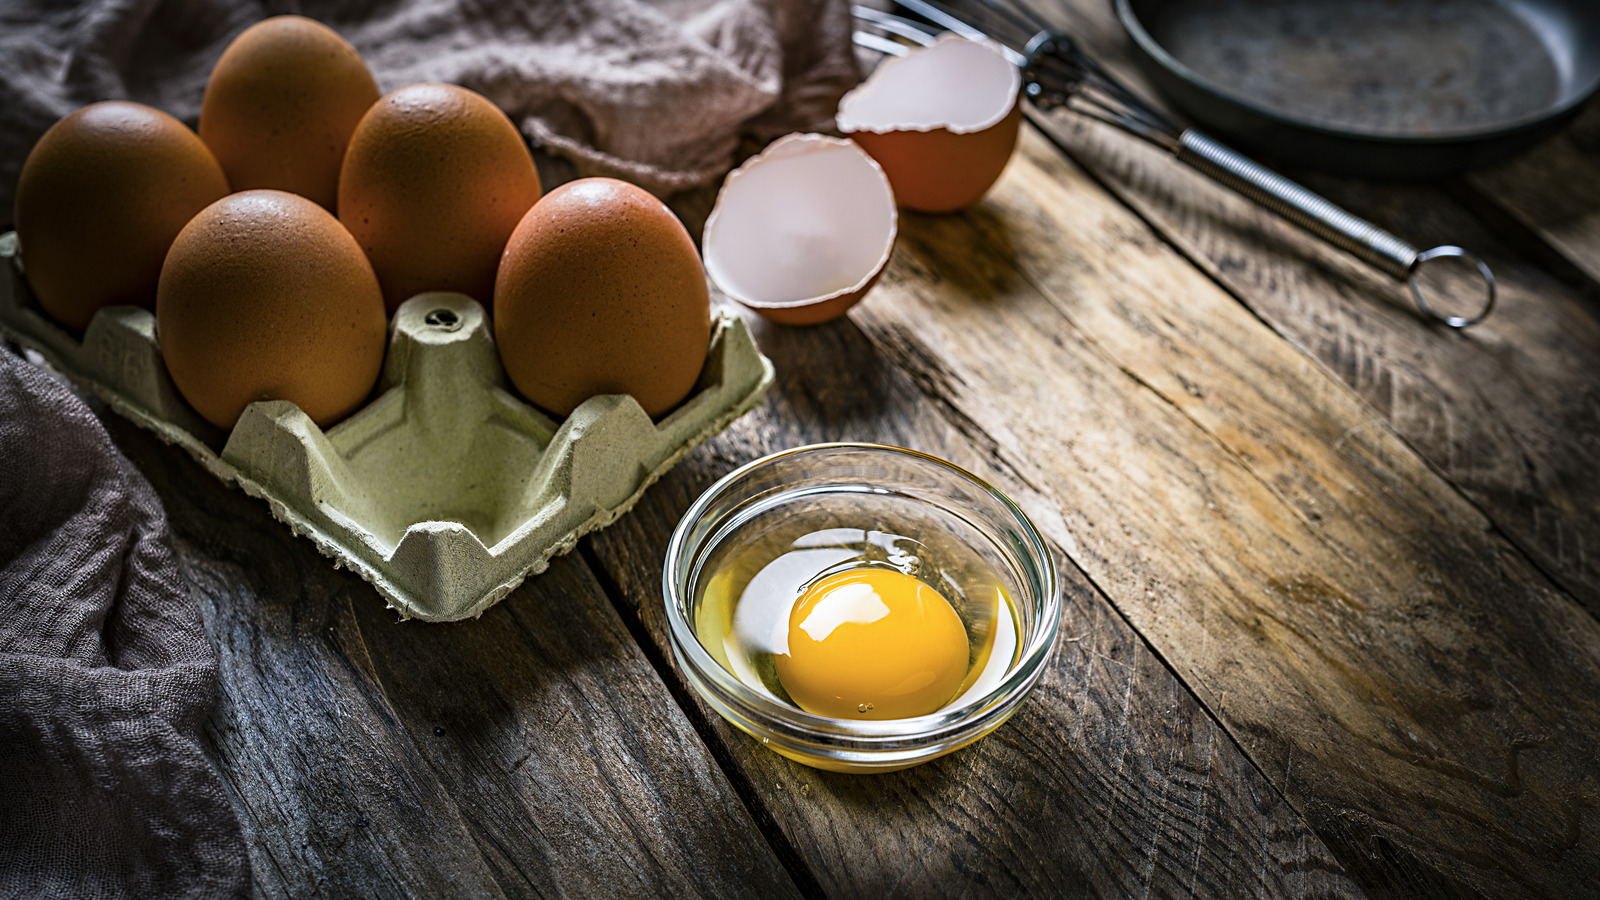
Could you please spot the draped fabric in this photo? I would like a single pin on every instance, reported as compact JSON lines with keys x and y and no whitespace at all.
{"x":658,"y":93}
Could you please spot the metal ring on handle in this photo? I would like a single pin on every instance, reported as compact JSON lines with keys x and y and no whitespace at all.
{"x":1449,"y":250}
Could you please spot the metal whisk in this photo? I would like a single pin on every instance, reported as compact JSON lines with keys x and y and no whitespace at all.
{"x":1057,"y":74}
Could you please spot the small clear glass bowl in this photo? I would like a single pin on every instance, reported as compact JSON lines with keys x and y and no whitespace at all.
{"x":836,"y":478}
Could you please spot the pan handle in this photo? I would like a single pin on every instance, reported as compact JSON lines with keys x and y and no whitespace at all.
{"x":1316,"y":215}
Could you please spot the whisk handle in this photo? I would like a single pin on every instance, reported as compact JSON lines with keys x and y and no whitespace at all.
{"x":1316,"y":215}
{"x":1298,"y":205}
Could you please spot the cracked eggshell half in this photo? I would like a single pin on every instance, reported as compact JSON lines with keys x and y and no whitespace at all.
{"x":941,"y":120}
{"x":802,"y":231}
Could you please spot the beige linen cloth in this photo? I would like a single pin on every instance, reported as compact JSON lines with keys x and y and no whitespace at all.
{"x":658,"y":93}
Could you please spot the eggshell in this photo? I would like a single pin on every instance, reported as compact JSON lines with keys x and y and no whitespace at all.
{"x":600,"y":291}
{"x":802,"y":231}
{"x":434,"y":182}
{"x":280,"y":106}
{"x":100,"y":198}
{"x":941,"y":120}
{"x":265,"y":296}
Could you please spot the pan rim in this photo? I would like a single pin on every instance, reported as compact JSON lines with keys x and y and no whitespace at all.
{"x":1155,"y":51}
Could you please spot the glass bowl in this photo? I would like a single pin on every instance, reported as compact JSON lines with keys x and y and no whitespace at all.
{"x":901,"y":507}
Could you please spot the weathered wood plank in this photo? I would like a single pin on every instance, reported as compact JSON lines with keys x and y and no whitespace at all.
{"x":532,"y":751}
{"x":1554,"y":190}
{"x":1110,"y":781}
{"x":1418,"y":690}
{"x":1509,"y":412}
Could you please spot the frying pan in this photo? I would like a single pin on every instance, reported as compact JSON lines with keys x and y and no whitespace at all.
{"x":1380,"y":88}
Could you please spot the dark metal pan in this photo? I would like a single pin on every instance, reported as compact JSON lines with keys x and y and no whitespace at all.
{"x":1379,"y":88}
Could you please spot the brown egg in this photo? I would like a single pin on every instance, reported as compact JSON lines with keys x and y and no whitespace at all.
{"x":100,"y":198}
{"x":435,"y":180}
{"x":280,"y":106}
{"x":265,"y":296}
{"x":600,"y":291}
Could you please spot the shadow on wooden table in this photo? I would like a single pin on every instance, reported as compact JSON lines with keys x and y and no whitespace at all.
{"x":942,"y":249}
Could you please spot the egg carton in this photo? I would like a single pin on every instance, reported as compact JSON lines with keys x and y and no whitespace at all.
{"x":446,"y":490}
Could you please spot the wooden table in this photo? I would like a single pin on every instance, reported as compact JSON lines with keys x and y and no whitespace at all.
{"x":1331,"y":583}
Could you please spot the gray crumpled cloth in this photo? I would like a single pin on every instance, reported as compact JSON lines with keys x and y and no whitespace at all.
{"x":658,"y":93}
{"x":106,"y":674}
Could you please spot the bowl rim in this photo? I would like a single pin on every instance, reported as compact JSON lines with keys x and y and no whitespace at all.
{"x":873,"y":736}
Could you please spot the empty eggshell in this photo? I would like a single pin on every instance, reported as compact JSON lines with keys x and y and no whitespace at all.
{"x":941,"y":120}
{"x":800,"y":232}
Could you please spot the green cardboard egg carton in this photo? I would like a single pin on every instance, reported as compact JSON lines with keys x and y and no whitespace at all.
{"x":446,"y":490}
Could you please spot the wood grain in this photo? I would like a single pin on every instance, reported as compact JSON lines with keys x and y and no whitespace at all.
{"x":1554,"y":190}
{"x":532,"y":751}
{"x":1420,"y":692}
{"x":1508,"y":412}
{"x":1110,"y":781}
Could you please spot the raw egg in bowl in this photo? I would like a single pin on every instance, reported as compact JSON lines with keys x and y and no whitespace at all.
{"x":859,"y":607}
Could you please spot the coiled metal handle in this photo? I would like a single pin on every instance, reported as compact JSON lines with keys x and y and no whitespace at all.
{"x":1316,"y":215}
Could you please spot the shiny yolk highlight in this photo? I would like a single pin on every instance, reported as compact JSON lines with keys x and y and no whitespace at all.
{"x":873,"y":644}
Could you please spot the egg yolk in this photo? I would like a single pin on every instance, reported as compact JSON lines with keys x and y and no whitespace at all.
{"x":873,"y":644}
